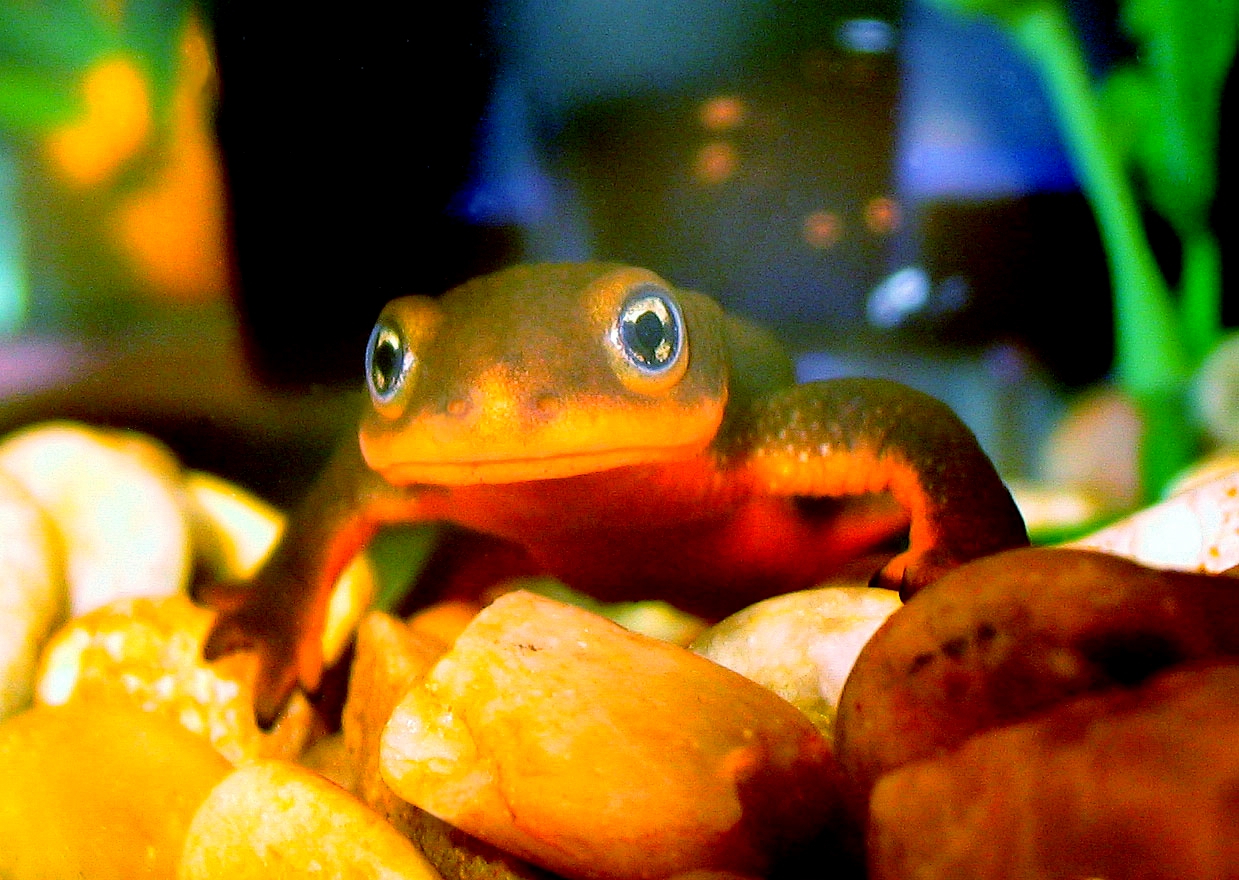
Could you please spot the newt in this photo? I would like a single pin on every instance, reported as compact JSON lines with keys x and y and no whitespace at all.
{"x":628,"y":437}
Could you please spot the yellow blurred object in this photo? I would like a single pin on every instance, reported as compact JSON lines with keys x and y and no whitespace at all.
{"x":444,"y":620}
{"x":1215,"y":392}
{"x":147,"y":653}
{"x":1095,"y":447}
{"x":656,"y":619}
{"x":649,"y":617}
{"x":33,"y":595}
{"x":328,"y":757}
{"x":130,"y":197}
{"x":273,"y":818}
{"x":116,"y":126}
{"x":173,"y":230}
{"x":117,"y":500}
{"x":235,"y":530}
{"x":1051,"y":510}
{"x":100,"y":791}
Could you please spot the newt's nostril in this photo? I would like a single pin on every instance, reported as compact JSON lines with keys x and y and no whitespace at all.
{"x":458,"y":406}
{"x":547,"y":403}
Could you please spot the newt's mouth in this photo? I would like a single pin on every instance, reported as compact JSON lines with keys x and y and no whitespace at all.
{"x":520,"y":470}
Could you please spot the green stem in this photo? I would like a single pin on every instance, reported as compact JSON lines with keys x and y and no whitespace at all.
{"x":1169,"y":441}
{"x":1200,"y":301}
{"x":1149,"y":355}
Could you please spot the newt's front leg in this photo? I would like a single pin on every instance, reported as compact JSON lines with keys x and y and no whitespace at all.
{"x":855,"y":436}
{"x":279,"y":613}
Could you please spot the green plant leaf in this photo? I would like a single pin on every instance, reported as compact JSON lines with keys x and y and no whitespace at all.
{"x":1127,"y":101}
{"x":31,"y":102}
{"x":1186,"y":50}
{"x":56,"y":36}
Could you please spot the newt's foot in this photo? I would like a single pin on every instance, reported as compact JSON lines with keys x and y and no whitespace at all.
{"x":285,"y":657}
{"x":910,"y":572}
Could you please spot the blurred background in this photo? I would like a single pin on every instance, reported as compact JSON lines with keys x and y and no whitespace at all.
{"x":204,"y":206}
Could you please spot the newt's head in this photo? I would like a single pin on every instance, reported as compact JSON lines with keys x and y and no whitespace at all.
{"x":543,"y":371}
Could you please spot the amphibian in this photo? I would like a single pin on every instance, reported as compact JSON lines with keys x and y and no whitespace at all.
{"x":628,"y":437}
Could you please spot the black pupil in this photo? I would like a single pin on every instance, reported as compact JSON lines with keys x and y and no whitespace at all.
{"x":384,"y":363}
{"x":647,"y":338}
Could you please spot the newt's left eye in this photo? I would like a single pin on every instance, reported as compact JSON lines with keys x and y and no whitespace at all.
{"x":389,"y":360}
{"x":650,"y":335}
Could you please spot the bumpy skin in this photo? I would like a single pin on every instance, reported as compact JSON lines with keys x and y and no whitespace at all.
{"x":1012,"y":635}
{"x":708,"y":482}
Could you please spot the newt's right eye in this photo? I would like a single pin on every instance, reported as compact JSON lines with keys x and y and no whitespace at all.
{"x":649,"y":341}
{"x":389,"y":361}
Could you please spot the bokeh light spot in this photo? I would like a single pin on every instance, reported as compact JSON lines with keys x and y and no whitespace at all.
{"x":116,"y":124}
{"x":882,"y":215}
{"x":822,"y":229}
{"x":722,"y":113}
{"x":716,"y":162}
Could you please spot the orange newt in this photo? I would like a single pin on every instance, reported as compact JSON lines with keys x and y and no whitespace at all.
{"x":628,"y":437}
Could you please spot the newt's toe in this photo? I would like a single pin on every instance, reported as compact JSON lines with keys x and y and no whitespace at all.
{"x":272,"y":689}
{"x":225,"y":638}
{"x":911,"y":571}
